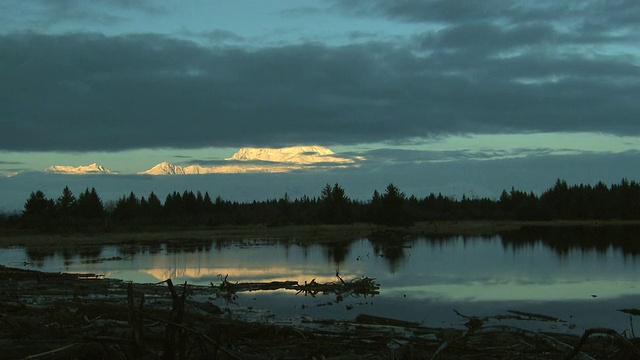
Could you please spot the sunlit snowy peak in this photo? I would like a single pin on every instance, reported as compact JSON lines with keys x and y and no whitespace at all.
{"x":78,"y":170}
{"x":264,"y":160}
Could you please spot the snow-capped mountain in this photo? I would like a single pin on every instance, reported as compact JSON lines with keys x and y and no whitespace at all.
{"x":165,"y":168}
{"x":270,"y":160}
{"x":294,"y":154}
{"x":78,"y":170}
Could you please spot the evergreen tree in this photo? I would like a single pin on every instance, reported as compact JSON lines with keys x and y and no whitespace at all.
{"x":334,"y":205}
{"x":89,"y":204}
{"x":190,"y":203}
{"x":66,"y":202}
{"x":375,"y":208}
{"x":39,"y":207}
{"x":154,"y":206}
{"x":207,"y":204}
{"x":390,"y":208}
{"x":127,"y":209}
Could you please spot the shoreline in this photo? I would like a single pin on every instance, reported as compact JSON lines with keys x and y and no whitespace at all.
{"x":109,"y":319}
{"x":87,"y":314}
{"x":304,"y":233}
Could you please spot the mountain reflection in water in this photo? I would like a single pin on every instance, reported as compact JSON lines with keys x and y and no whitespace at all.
{"x":580,"y":274}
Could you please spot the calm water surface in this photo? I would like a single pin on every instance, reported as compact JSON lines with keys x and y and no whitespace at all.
{"x":581,"y":277}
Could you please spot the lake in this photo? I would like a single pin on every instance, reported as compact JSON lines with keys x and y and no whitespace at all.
{"x":580,"y":275}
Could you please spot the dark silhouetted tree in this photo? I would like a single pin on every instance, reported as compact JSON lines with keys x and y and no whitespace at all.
{"x":334,"y":205}
{"x":89,"y":205}
{"x":394,"y":205}
{"x":190,"y":203}
{"x":153,"y":207}
{"x":391,"y":207}
{"x":38,"y":207}
{"x":66,"y":203}
{"x":207,"y":204}
{"x":127,"y":209}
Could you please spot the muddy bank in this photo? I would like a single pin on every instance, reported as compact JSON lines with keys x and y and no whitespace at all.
{"x":63,"y":316}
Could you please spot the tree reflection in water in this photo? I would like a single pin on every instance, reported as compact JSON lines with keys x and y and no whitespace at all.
{"x":564,"y":239}
{"x":337,"y":251}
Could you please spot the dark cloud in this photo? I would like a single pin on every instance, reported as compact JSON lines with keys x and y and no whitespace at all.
{"x":487,"y":38}
{"x":42,"y":15}
{"x":93,"y":92}
{"x":220,"y":35}
{"x":493,"y":26}
{"x":421,"y":11}
{"x":619,"y":13}
{"x":301,"y":11}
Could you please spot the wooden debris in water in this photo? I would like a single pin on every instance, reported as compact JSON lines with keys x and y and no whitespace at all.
{"x":630,"y":311}
{"x":63,"y":316}
{"x":358,"y":286}
{"x":535,"y":316}
{"x":379,"y":320}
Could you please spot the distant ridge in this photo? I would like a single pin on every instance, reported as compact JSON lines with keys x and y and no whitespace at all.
{"x":79,"y":170}
{"x":267,"y":160}
{"x":165,"y":168}
{"x":294,"y":154}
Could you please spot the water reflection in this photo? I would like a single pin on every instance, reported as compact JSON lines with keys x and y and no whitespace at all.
{"x":337,"y":252}
{"x":39,"y":255}
{"x":557,"y":269}
{"x":564,"y":240}
{"x":395,"y":255}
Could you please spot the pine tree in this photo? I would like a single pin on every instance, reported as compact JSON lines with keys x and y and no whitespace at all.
{"x":38,"y":206}
{"x":66,"y":202}
{"x":89,"y":204}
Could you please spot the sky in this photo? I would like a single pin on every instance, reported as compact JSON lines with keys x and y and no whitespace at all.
{"x":436,"y":95}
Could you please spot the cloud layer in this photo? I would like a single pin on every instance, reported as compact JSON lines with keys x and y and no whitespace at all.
{"x":476,"y":67}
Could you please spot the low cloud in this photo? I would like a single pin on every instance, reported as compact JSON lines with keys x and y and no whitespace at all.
{"x":11,"y":162}
{"x":400,"y":156}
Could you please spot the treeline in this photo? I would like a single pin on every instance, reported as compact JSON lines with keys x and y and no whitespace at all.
{"x":333,"y":206}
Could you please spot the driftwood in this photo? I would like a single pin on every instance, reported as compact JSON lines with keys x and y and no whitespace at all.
{"x":475,"y":326}
{"x":534,"y":316}
{"x":630,"y":311}
{"x":193,"y":331}
{"x":135,"y":321}
{"x":504,"y":329}
{"x":548,"y":340}
{"x":378,"y":320}
{"x":357,"y":286}
{"x":632,"y":349}
{"x":51,"y":352}
{"x":47,"y":315}
{"x":175,"y":317}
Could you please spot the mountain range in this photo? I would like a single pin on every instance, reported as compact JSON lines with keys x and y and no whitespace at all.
{"x":294,"y":154}
{"x":246,"y":160}
{"x":73,"y":170}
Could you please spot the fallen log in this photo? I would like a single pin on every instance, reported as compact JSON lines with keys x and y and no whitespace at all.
{"x":626,"y":344}
{"x":536,"y":316}
{"x":254,"y":286}
{"x":379,"y":320}
{"x":51,"y":352}
{"x":357,"y":286}
{"x":139,"y":346}
{"x":630,"y":311}
{"x":172,"y":332}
